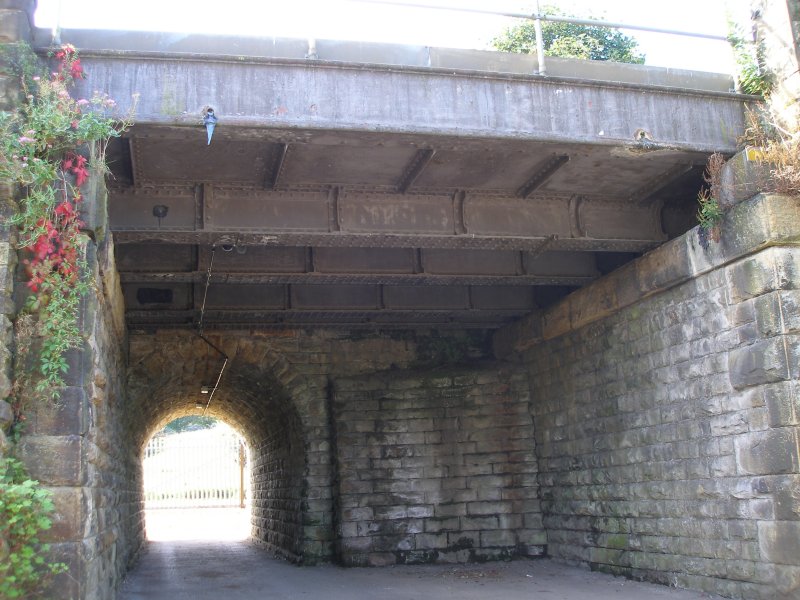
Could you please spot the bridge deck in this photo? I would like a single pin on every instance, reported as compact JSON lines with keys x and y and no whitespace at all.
{"x":346,"y":185}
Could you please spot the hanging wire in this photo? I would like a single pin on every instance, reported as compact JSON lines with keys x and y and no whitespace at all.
{"x":200,"y":324}
{"x":205,"y":292}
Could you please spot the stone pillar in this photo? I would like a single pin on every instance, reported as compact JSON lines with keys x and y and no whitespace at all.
{"x":778,"y":29}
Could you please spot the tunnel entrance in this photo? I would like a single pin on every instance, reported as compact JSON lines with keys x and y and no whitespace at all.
{"x":196,"y":482}
{"x":252,"y":408}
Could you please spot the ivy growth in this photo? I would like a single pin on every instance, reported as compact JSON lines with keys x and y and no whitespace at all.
{"x":24,"y":515}
{"x":48,"y":148}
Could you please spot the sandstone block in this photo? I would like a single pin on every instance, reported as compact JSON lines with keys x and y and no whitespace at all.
{"x":502,"y":537}
{"x":68,"y":518}
{"x":742,"y":177}
{"x":753,"y":276}
{"x":759,"y":363}
{"x":773,"y":451}
{"x":69,"y":416}
{"x":53,"y":460}
{"x":787,"y":582}
{"x":783,"y":403}
{"x":780,"y":541}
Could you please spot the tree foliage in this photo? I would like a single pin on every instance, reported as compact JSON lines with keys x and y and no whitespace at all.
{"x":190,"y":423}
{"x":568,"y":40}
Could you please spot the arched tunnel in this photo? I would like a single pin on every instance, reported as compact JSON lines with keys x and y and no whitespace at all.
{"x":261,"y":397}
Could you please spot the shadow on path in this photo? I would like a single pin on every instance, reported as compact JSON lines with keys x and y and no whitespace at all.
{"x":195,"y":570}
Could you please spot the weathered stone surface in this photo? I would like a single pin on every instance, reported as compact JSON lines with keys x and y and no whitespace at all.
{"x":53,"y":460}
{"x":783,"y":403}
{"x":772,"y":451}
{"x":68,"y":416}
{"x":666,"y":414}
{"x":69,"y":519}
{"x":442,"y":471}
{"x":759,"y":363}
{"x":743,"y":176}
{"x":780,"y":541}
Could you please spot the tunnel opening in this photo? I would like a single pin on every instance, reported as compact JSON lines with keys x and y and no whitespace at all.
{"x":164,"y":383}
{"x":196,"y":481}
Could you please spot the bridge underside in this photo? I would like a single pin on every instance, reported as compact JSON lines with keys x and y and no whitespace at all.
{"x":457,"y":191}
{"x":369,"y":229}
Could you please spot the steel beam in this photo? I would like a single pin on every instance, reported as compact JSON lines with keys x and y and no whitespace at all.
{"x":542,"y":174}
{"x":369,"y":219}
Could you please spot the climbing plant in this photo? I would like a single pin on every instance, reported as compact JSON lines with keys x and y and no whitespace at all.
{"x":24,"y":515}
{"x":48,"y":148}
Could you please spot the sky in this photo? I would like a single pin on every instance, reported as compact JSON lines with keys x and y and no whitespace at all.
{"x":352,"y":20}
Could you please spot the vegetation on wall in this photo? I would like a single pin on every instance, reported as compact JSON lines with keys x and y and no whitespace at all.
{"x":709,"y":211}
{"x":776,"y":147}
{"x":569,"y":40}
{"x":765,"y":140}
{"x":752,"y":74}
{"x":24,"y":515}
{"x":48,"y":148}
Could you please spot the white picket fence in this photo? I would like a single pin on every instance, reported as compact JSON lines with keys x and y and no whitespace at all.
{"x":194,"y":469}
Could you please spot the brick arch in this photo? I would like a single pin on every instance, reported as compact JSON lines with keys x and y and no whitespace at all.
{"x":262,"y":397}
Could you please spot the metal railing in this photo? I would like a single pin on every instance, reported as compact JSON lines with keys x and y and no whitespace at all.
{"x":537,"y":18}
{"x":194,"y":469}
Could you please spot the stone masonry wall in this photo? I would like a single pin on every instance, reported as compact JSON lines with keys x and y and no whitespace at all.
{"x":277,"y":486}
{"x":80,"y":450}
{"x":436,"y":467}
{"x":15,"y":26}
{"x":667,"y":427}
{"x":275,"y":391}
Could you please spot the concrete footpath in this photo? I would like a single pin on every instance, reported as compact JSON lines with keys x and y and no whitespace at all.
{"x":239,"y":570}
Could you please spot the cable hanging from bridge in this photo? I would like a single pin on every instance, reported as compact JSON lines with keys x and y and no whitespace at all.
{"x":200,"y":333}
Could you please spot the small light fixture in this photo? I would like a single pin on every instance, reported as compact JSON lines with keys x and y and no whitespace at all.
{"x":205,"y":390}
{"x":160,"y":211}
{"x":210,"y":121}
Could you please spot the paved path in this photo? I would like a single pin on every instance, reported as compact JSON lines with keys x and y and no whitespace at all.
{"x":238,"y":570}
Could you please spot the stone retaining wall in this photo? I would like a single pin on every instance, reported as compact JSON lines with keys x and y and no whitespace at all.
{"x":436,"y":467}
{"x":667,"y":428}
